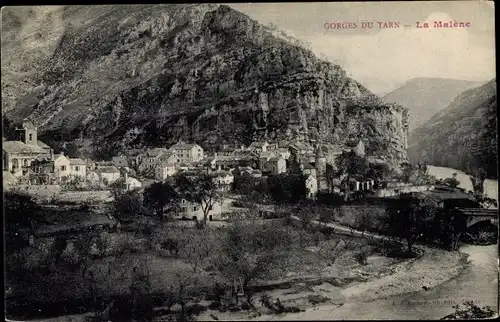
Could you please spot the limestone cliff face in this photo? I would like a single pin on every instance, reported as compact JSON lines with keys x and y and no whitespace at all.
{"x":147,"y":76}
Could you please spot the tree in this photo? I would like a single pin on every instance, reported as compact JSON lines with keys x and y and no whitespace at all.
{"x":199,"y":188}
{"x":351,"y":164}
{"x":249,"y":251}
{"x":407,"y":171}
{"x":451,"y":226}
{"x":378,"y":171}
{"x":21,"y":214}
{"x":160,"y":195}
{"x":408,"y":218}
{"x":140,"y":290}
{"x":129,"y":205}
{"x":451,"y":182}
{"x":287,"y":188}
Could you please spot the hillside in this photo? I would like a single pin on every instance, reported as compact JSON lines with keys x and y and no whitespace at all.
{"x":463,"y":136}
{"x":135,"y":76}
{"x":426,"y":96}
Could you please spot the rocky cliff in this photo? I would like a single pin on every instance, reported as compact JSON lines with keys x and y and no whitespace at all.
{"x":424,"y":97}
{"x":134,"y":76}
{"x":462,"y":136}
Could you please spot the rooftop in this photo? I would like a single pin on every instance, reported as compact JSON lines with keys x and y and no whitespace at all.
{"x":77,"y":161}
{"x":108,"y":169}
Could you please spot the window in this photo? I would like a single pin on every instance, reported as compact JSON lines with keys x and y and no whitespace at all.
{"x":30,"y":136}
{"x":195,"y":208}
{"x":63,"y":168}
{"x":77,"y":168}
{"x":183,"y":201}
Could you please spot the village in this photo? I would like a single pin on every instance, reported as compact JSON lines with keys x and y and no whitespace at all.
{"x":29,"y":162}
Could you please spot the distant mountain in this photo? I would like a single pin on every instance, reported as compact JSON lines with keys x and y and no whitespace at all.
{"x":137,"y":76}
{"x":462,"y":136}
{"x":426,"y":96}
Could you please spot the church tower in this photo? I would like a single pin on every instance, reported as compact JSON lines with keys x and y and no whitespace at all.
{"x":27,"y":133}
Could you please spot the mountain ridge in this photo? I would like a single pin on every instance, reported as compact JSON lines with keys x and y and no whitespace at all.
{"x":463,"y":135}
{"x":201,"y":73}
{"x":425,"y":96}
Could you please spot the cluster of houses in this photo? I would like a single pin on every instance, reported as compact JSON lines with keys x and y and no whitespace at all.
{"x":29,"y":160}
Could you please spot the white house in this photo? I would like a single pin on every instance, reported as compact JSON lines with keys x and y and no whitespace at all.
{"x":108,"y":174}
{"x":153,"y":157}
{"x":62,"y":166}
{"x":258,"y":146}
{"x":78,"y":168}
{"x":162,"y":172}
{"x":274,"y":165}
{"x":224,"y":179}
{"x":312,"y":186}
{"x":187,"y":153}
{"x":193,"y":211}
{"x":132,"y":183}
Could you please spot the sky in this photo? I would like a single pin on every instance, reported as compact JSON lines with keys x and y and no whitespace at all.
{"x":383,"y":59}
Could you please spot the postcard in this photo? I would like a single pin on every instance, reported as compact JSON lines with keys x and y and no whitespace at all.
{"x":250,"y":161}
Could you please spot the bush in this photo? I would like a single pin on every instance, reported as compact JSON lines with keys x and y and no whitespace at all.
{"x":316,"y":299}
{"x":361,"y":257}
{"x":215,"y":305}
{"x":470,"y":311}
{"x":195,"y":309}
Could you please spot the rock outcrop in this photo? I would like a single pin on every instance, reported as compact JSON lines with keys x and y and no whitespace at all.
{"x":463,"y":136}
{"x":135,"y":76}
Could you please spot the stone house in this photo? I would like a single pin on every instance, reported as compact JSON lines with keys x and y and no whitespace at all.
{"x":62,"y":167}
{"x":17,"y":155}
{"x":258,"y":147}
{"x":78,"y":168}
{"x":275,"y":165}
{"x":186,"y":153}
{"x":224,"y":179}
{"x":153,"y":157}
{"x":189,"y":210}
{"x":312,"y":186}
{"x":108,"y":174}
{"x":163,"y":171}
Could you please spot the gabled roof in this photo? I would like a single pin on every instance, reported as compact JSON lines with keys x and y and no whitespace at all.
{"x":77,"y":161}
{"x":15,"y":147}
{"x":301,"y":146}
{"x":156,"y":152}
{"x":183,"y":146}
{"x":275,"y":159}
{"x":108,"y":169}
{"x":42,"y":145}
{"x":257,"y":144}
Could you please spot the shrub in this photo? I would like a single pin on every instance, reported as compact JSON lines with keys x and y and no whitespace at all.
{"x":316,"y":299}
{"x":215,"y":305}
{"x":470,"y":311}
{"x":361,"y":257}
{"x":195,"y":309}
